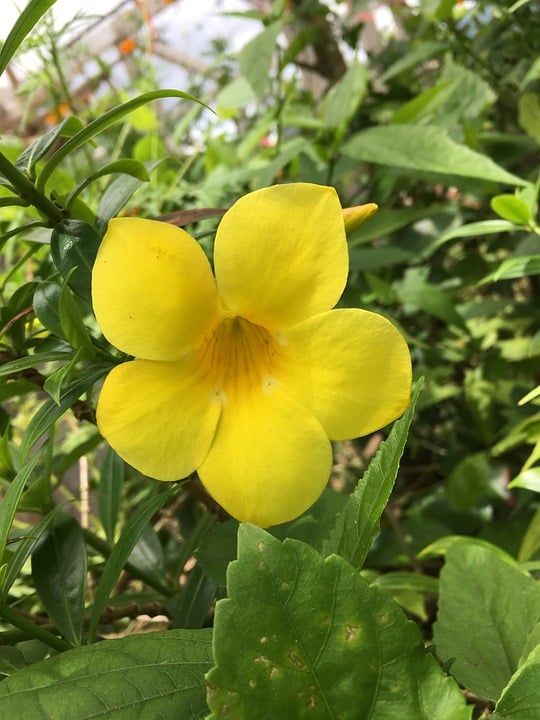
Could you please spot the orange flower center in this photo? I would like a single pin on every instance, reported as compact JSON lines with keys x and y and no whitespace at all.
{"x":237,"y":356}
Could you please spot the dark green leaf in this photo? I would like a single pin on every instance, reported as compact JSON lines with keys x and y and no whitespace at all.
{"x":71,"y":322}
{"x":110,"y":492}
{"x":31,"y":361}
{"x":147,"y":555}
{"x":56,"y":380}
{"x":302,"y":637}
{"x":425,"y":148}
{"x":153,"y":675}
{"x":46,"y":301}
{"x":24,"y":24}
{"x":131,"y":532}
{"x":59,"y":574}
{"x":74,"y":246}
{"x":191,"y":606}
{"x":133,"y":168}
{"x":481,"y":624}
{"x":358,"y":523}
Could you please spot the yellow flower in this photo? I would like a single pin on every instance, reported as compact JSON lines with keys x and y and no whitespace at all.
{"x":246,"y":377}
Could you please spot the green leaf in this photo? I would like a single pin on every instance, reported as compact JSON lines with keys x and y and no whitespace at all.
{"x":71,"y":322}
{"x":398,"y":581}
{"x":110,"y":492}
{"x":303,"y":637}
{"x":153,"y":675}
{"x":55,"y":381}
{"x":414,"y":56}
{"x":133,"y":168}
{"x":59,"y":574}
{"x":515,"y":267}
{"x":255,"y":58}
{"x":475,"y":229}
{"x":23,"y":549}
{"x":45,"y":303}
{"x":102,"y":123}
{"x":530,"y":544}
{"x":385,"y":222}
{"x":424,"y":148}
{"x":343,"y":98}
{"x":10,"y":501}
{"x":511,"y":208}
{"x":118,"y":193}
{"x":529,"y":114}
{"x":24,"y":24}
{"x":34,"y":152}
{"x":416,"y":292}
{"x":74,"y":246}
{"x":191,"y":606}
{"x":131,"y":532}
{"x":358,"y":523}
{"x":487,"y":608}
{"x":520,"y":699}
{"x":528,"y":479}
{"x":31,"y":361}
{"x":50,"y":411}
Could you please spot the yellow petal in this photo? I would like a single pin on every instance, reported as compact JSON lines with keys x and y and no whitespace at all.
{"x":350,"y":368}
{"x":270,"y":459}
{"x":152,"y":288}
{"x":356,"y":216}
{"x":280,"y":254}
{"x":157,"y":417}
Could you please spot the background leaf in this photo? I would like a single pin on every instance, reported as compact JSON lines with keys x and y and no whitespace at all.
{"x":487,"y":609}
{"x":59,"y":573}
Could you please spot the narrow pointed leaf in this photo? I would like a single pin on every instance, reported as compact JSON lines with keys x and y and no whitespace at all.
{"x":358,"y":523}
{"x":25,"y":22}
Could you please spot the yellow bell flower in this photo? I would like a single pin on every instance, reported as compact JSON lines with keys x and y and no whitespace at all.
{"x":247,"y":376}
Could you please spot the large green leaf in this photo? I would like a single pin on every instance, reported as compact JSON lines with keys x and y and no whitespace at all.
{"x":425,"y":148}
{"x":59,"y":573}
{"x":153,"y":675}
{"x":358,"y":523}
{"x":487,"y":608}
{"x":25,"y":22}
{"x":303,"y":637}
{"x":520,"y":699}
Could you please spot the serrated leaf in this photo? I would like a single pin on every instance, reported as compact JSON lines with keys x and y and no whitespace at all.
{"x":358,"y":523}
{"x":520,"y":699}
{"x":303,"y":637}
{"x":425,"y":148}
{"x":153,"y":675}
{"x":59,"y":574}
{"x":480,"y":623}
{"x":74,"y":246}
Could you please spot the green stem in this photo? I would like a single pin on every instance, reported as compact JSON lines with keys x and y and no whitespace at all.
{"x":28,"y":191}
{"x":32,"y":629}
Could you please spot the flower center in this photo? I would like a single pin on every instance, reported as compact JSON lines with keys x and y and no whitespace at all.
{"x":237,"y":356}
